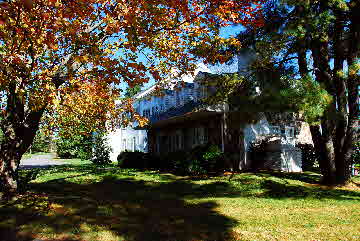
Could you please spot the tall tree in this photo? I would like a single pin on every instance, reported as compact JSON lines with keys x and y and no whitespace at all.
{"x":65,"y":57}
{"x":320,"y":40}
{"x":131,"y":91}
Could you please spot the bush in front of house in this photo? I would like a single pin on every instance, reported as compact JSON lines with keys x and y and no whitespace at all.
{"x":200,"y":160}
{"x":137,"y":160}
{"x":257,"y":152}
{"x":211,"y":158}
{"x":309,"y":158}
{"x":129,"y":159}
{"x":195,"y":168}
{"x":174,"y":162}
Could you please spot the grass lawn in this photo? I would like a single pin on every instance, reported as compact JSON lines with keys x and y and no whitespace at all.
{"x":29,"y":155}
{"x":80,"y":201}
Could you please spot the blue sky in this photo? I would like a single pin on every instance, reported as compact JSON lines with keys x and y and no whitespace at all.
{"x":225,"y":32}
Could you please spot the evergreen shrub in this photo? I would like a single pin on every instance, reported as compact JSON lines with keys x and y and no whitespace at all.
{"x":101,"y":150}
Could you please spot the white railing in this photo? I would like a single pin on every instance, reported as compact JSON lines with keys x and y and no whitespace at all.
{"x":177,"y":99}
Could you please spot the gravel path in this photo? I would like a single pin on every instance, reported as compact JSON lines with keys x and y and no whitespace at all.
{"x":40,"y":160}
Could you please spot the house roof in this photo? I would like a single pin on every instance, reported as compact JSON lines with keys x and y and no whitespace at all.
{"x":187,"y":79}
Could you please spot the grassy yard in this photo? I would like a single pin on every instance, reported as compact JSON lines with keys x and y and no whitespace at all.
{"x":84,"y":202}
{"x":29,"y":155}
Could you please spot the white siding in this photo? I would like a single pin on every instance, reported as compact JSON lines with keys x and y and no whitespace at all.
{"x":123,"y":139}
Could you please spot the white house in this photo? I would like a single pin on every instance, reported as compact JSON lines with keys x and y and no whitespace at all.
{"x":133,"y":139}
{"x":180,"y":120}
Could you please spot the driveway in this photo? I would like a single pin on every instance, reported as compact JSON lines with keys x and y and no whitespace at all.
{"x":40,"y":160}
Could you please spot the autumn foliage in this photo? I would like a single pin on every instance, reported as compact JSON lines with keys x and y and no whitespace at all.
{"x":66,"y":58}
{"x":50,"y":49}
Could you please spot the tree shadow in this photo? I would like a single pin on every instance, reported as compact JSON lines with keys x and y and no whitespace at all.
{"x":307,"y":177}
{"x":280,"y":190}
{"x":277,"y":185}
{"x":129,"y":209}
{"x":126,"y":208}
{"x":356,"y":184}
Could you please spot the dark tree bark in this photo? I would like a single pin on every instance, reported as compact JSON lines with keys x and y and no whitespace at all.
{"x":19,"y":127}
{"x":333,"y":139}
{"x":348,"y":133}
{"x":323,"y":140}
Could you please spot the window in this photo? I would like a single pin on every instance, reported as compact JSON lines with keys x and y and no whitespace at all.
{"x":167,"y":102}
{"x":200,"y":135}
{"x":158,"y":140}
{"x":198,"y":94}
{"x":191,"y":94}
{"x":195,"y":136}
{"x":179,"y":138}
{"x":137,"y":109}
{"x":275,"y":130}
{"x":147,"y":113}
{"x":124,"y":145}
{"x":203,"y":92}
{"x":130,"y":144}
{"x":177,"y":98}
{"x":206,"y":135}
{"x":289,"y":131}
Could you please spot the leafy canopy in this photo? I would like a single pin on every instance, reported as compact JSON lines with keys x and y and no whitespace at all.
{"x":67,"y":57}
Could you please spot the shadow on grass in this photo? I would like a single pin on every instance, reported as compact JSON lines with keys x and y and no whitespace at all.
{"x":280,"y":190}
{"x":83,"y":170}
{"x":129,"y":209}
{"x":118,"y":208}
{"x":307,"y":177}
{"x":263,"y":184}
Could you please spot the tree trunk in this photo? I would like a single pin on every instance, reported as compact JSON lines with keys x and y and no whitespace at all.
{"x":351,"y":135}
{"x":17,"y":139}
{"x":9,"y":162}
{"x":343,"y":168}
{"x":325,"y":154}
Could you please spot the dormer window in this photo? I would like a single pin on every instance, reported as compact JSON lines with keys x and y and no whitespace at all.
{"x":275,"y":130}
{"x":289,"y":131}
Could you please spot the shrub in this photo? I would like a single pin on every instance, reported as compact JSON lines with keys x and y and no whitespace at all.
{"x":195,"y":168}
{"x":200,"y":160}
{"x":101,"y":150}
{"x":77,"y":146}
{"x":25,"y":179}
{"x":213,"y":158}
{"x":210,"y":157}
{"x":175,"y":162}
{"x":41,"y":142}
{"x":257,"y":152}
{"x":137,"y":159}
{"x":129,"y":159}
{"x":309,"y":157}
